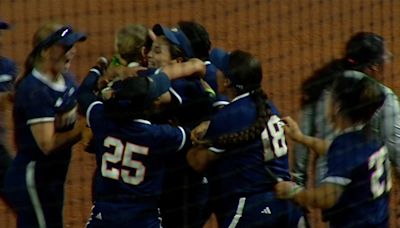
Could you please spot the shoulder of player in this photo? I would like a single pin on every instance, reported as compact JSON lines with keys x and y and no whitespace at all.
{"x":7,"y":62}
{"x":29,"y":83}
{"x":352,"y":144}
{"x":160,"y":129}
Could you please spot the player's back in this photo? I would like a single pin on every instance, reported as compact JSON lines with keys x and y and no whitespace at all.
{"x":245,"y":167}
{"x":130,"y":155}
{"x":363,"y":164}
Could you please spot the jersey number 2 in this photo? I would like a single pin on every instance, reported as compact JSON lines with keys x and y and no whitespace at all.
{"x":123,"y":153}
{"x":379,"y":164}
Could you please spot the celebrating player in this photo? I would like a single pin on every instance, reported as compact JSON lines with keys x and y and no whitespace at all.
{"x":191,"y":104}
{"x":365,"y":52}
{"x":244,"y":150}
{"x":45,"y":129}
{"x":130,"y":150}
{"x":354,"y":192}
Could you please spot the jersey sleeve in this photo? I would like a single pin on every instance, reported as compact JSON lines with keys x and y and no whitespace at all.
{"x":85,"y":93}
{"x":216,"y":129}
{"x":340,"y":165}
{"x":38,"y":106}
{"x":94,"y":115}
{"x":171,"y":139}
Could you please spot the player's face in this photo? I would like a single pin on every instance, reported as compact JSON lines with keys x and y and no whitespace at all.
{"x":69,"y":55}
{"x":159,"y":54}
{"x":59,"y":58}
{"x":331,"y":112}
{"x":387,"y":59}
{"x":222,"y":82}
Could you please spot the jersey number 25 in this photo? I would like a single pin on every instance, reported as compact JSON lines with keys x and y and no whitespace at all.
{"x":123,"y":153}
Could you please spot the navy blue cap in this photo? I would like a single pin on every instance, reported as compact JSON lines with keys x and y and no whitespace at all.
{"x":175,"y":36}
{"x":4,"y":25}
{"x":220,"y":58}
{"x":64,"y":36}
{"x":71,"y":38}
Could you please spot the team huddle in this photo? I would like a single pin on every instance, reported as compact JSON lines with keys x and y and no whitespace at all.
{"x":181,"y":130}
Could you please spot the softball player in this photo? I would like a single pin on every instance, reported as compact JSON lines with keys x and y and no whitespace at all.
{"x":44,"y":119}
{"x":8,"y":73}
{"x":365,"y":52}
{"x":244,"y":150}
{"x":201,"y":45}
{"x":130,"y":151}
{"x":130,"y":42}
{"x":355,"y":191}
{"x":185,"y":191}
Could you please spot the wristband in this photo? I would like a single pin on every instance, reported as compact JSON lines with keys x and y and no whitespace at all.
{"x":294,"y":190}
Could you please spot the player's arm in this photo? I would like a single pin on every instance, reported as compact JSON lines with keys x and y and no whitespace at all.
{"x":301,"y":153}
{"x":324,"y":196}
{"x":179,"y":70}
{"x":389,"y":124}
{"x":199,"y":157}
{"x":320,"y":146}
{"x":85,"y":93}
{"x":49,"y":141}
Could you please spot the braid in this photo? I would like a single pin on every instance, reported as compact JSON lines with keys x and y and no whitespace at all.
{"x":254,"y":131}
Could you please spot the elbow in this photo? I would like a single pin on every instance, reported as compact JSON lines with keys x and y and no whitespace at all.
{"x":46,"y":147}
{"x":195,"y":162}
{"x":326,"y":204}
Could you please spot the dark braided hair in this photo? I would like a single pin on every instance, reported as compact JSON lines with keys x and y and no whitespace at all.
{"x":246,"y":70}
{"x":254,"y":131}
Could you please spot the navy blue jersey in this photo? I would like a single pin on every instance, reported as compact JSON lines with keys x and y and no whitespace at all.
{"x":190,"y":103}
{"x":130,"y":155}
{"x":8,"y":73}
{"x":361,"y":166}
{"x":246,"y":169}
{"x":39,"y":100}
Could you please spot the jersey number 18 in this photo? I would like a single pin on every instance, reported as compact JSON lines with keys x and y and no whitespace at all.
{"x":273,"y":139}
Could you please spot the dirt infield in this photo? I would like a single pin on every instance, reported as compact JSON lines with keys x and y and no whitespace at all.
{"x":291,"y":37}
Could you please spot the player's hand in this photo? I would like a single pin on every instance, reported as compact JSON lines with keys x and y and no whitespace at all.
{"x":86,"y":141}
{"x":65,"y":121}
{"x":197,"y":134}
{"x":287,"y":189}
{"x":292,"y":129}
{"x":102,"y":64}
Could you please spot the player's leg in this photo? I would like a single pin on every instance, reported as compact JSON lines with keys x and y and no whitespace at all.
{"x":123,"y":215}
{"x":172,"y":197}
{"x":196,"y":198}
{"x":263,"y":210}
{"x":22,"y":193}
